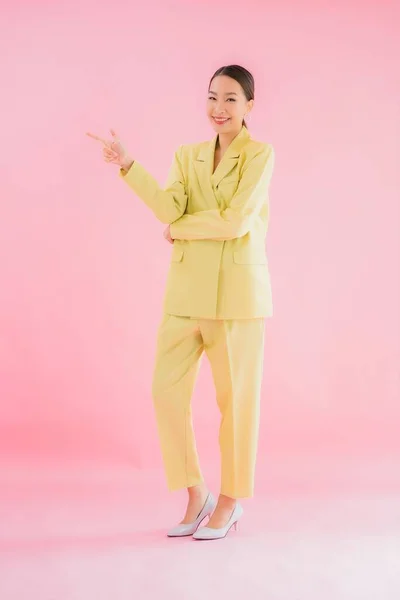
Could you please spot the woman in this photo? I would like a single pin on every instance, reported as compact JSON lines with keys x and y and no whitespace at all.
{"x":218,"y":295}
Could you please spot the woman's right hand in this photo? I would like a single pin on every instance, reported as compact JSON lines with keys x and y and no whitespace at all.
{"x":167,"y":235}
{"x":114,"y":151}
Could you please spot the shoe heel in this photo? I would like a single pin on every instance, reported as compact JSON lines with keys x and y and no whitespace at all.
{"x":236,"y":525}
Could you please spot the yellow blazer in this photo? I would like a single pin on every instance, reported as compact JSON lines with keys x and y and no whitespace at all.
{"x":219,"y":222}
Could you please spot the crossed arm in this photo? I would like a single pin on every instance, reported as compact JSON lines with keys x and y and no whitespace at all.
{"x":169,"y":204}
{"x":236,"y":220}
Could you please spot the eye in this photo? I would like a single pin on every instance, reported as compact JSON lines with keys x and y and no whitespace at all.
{"x":211,"y":98}
{"x":231,"y":100}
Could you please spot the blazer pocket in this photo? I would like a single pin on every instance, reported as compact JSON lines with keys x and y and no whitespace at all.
{"x":177,"y":254}
{"x":229,"y":180}
{"x":249,"y":257}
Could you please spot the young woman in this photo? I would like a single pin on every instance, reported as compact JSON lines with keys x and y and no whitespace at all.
{"x":218,"y":295}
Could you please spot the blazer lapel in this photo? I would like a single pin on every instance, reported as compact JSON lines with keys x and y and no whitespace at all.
{"x":230,"y":158}
{"x":203,"y":165}
{"x":204,"y":162}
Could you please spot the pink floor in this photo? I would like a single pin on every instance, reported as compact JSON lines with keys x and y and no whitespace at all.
{"x":315,"y":531}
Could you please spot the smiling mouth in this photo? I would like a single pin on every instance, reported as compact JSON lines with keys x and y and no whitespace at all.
{"x":221,"y":120}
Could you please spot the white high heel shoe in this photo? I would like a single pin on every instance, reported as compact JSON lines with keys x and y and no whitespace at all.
{"x":189,"y":528}
{"x":208,"y":533}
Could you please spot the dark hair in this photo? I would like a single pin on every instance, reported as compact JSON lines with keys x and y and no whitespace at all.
{"x":242,"y":76}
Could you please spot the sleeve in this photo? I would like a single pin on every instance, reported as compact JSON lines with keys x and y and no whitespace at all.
{"x":236,"y":220}
{"x":167,"y":204}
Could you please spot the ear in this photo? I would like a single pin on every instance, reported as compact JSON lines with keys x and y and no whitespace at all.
{"x":250,"y":105}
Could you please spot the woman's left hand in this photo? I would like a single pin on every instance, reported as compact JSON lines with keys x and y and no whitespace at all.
{"x":167,"y":235}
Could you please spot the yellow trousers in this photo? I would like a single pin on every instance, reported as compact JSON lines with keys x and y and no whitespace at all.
{"x":235,"y":349}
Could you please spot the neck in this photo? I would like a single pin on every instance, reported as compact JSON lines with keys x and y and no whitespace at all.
{"x":225,"y":139}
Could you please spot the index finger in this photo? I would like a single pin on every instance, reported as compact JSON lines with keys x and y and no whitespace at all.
{"x":96,"y":137}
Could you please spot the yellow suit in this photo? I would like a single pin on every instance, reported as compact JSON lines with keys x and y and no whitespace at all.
{"x":217,"y":295}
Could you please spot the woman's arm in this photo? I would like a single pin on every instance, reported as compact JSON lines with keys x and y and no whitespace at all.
{"x":236,"y":220}
{"x":167,"y":204}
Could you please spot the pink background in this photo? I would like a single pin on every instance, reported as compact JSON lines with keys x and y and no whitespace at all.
{"x":83,"y":262}
{"x":83,"y":502}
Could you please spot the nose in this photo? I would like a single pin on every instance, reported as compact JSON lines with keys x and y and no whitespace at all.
{"x":219,"y":109}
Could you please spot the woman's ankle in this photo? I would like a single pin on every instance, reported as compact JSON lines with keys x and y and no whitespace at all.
{"x":198,"y":491}
{"x":226,"y":501}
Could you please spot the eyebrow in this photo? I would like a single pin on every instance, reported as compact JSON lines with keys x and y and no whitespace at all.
{"x":227,"y":93}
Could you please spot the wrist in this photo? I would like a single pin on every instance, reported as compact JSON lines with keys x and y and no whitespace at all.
{"x":127,"y":163}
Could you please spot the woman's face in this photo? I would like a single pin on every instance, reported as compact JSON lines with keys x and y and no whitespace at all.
{"x":227,"y":105}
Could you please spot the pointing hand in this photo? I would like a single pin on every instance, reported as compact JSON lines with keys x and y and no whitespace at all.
{"x":114,"y":151}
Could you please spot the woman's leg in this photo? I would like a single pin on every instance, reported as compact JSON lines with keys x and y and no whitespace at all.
{"x":235,"y":349}
{"x":178,"y":355}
